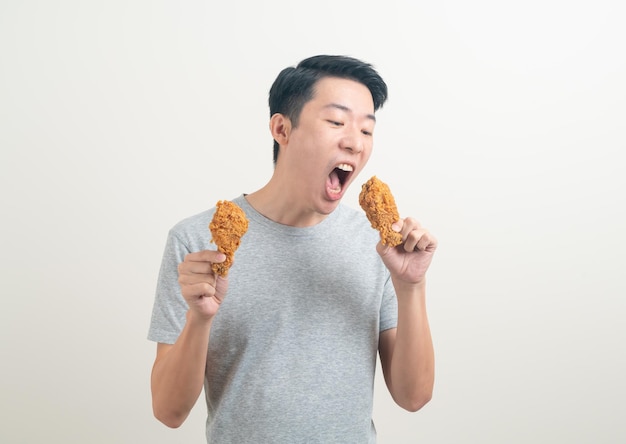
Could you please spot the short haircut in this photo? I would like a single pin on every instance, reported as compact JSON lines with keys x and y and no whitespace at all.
{"x":294,"y":87}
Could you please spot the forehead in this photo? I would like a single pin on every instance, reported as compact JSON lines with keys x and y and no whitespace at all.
{"x":345,"y":92}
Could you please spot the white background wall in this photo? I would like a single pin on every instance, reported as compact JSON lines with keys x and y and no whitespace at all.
{"x":502,"y":135}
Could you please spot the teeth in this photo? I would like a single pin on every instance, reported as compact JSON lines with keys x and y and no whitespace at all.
{"x":345,"y":167}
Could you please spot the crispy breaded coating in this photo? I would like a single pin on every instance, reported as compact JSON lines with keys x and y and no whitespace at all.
{"x":229,"y":224}
{"x":380,"y":207}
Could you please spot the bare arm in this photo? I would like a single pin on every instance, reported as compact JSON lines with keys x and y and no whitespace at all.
{"x":178,"y":371}
{"x":407,"y":355}
{"x":406,"y":352}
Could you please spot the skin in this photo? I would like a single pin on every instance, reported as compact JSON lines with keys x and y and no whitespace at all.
{"x":335,"y":127}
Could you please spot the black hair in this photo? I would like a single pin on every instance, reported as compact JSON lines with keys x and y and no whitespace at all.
{"x":295,"y":86}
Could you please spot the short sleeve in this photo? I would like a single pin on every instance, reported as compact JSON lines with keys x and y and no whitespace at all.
{"x":170,"y":308}
{"x":388,"y":307}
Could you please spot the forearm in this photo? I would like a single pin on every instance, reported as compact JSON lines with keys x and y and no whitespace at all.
{"x":178,"y":375}
{"x":413,"y":362}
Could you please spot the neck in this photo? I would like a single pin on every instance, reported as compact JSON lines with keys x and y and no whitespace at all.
{"x":281,"y":201}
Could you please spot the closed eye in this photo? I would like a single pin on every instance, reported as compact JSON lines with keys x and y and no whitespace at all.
{"x":335,"y":123}
{"x":366,"y":132}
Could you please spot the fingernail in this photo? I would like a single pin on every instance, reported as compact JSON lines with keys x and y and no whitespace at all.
{"x":395,"y":227}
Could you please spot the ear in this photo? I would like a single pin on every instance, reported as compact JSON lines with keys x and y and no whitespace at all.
{"x":280,"y":127}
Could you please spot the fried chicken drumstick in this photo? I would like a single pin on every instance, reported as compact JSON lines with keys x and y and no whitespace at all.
{"x":229,"y":224}
{"x":380,"y":207}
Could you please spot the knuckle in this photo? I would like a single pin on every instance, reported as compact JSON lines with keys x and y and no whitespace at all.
{"x":207,"y":289}
{"x":414,"y":222}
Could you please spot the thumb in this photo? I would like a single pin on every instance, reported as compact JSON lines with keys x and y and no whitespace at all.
{"x":383,"y":250}
{"x":221,"y":286}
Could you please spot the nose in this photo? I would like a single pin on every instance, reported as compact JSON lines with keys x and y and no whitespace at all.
{"x":352,"y":142}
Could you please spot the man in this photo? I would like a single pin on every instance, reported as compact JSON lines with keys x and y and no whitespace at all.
{"x":285,"y":346}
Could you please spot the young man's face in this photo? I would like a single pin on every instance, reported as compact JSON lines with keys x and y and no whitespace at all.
{"x":332,"y":142}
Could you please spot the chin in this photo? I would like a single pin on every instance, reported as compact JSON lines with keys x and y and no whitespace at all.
{"x":329,"y":206}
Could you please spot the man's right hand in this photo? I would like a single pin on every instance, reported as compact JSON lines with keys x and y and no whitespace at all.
{"x":203,"y":290}
{"x":178,"y":371}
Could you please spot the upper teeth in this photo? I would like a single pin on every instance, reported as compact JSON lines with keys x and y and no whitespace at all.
{"x":345,"y":167}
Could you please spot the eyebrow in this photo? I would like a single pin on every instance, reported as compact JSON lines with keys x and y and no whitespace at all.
{"x":346,"y":109}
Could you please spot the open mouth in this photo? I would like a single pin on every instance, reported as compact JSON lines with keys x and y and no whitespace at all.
{"x":339,"y":177}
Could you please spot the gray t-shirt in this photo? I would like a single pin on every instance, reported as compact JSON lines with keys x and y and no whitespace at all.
{"x":293,"y":347}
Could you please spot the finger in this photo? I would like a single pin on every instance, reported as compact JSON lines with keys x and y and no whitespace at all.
{"x":200,"y":262}
{"x":206,"y":256}
{"x":197,"y":291}
{"x":409,"y":224}
{"x":188,"y":267}
{"x":412,"y":239}
{"x":426,"y":242}
{"x":196,"y":278}
{"x":406,"y":226}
